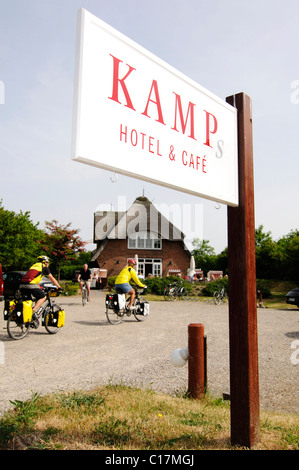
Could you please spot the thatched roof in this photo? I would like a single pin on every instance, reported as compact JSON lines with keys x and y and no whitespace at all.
{"x":142,"y":216}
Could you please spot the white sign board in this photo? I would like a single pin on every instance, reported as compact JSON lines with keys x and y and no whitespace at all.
{"x":136,"y":115}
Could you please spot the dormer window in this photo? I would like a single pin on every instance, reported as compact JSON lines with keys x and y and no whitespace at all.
{"x":145,"y":240}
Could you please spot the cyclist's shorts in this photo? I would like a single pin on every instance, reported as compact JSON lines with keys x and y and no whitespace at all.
{"x":32,"y":289}
{"x":124,"y":287}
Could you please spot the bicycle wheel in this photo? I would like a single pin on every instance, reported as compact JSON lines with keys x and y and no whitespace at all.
{"x":170,"y":293}
{"x":17,"y":329}
{"x":217,"y":297}
{"x":84,"y":296}
{"x":113,"y":316}
{"x":184,"y":294}
{"x":173,"y":294}
{"x":138,"y":313}
{"x":166,"y":293}
{"x":48,"y":319}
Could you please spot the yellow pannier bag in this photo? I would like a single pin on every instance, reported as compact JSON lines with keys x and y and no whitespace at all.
{"x":9,"y":306}
{"x":27,"y":310}
{"x":61,"y":318}
{"x":57,"y":318}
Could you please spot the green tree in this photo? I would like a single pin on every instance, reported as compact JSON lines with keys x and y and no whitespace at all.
{"x":18,"y":239}
{"x":204,"y":255}
{"x":222,"y":261}
{"x":61,"y":243}
{"x":288,"y":249}
{"x":267,"y":258}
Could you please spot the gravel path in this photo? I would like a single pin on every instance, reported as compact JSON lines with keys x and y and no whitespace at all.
{"x":89,"y":352}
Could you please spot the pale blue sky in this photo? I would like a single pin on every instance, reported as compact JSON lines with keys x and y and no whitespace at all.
{"x":227,"y":46}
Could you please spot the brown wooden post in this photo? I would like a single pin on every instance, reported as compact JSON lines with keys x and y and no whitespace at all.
{"x":196,"y":360}
{"x":244,"y":381}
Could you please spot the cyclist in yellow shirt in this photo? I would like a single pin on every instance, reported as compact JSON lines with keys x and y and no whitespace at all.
{"x":30,"y":281}
{"x":122,"y":281}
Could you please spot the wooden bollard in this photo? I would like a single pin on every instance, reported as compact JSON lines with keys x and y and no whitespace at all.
{"x":196,"y":361}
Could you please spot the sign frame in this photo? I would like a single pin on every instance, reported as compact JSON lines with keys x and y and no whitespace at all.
{"x":129,"y":121}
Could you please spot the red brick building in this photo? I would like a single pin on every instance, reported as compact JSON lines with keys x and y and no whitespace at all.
{"x":141,"y":232}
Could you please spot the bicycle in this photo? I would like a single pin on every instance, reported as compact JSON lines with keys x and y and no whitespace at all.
{"x":220,"y":296}
{"x":174,"y":291}
{"x":117,"y":306}
{"x":84,"y":294}
{"x":19,"y":317}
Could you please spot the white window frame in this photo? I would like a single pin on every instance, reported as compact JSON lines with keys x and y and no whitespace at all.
{"x":156,"y":266}
{"x":144,"y":241}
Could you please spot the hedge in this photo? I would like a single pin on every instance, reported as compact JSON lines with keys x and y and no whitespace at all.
{"x":156,"y":285}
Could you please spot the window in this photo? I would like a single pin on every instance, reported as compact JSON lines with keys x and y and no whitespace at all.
{"x":148,"y":266}
{"x":157,"y":268}
{"x":145,"y":240}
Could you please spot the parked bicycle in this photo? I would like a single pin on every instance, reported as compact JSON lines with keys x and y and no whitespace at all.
{"x":220,"y":296}
{"x":84,"y":294}
{"x":117,"y":306}
{"x":175,"y":291}
{"x":20,"y":319}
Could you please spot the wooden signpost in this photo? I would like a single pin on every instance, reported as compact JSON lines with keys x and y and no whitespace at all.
{"x":244,"y":381}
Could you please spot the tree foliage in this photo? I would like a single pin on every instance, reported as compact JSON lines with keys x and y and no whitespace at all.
{"x":274,"y":259}
{"x":266,"y":254}
{"x":61,"y":243}
{"x":204,"y":255}
{"x":288,"y":250}
{"x":18,"y":239}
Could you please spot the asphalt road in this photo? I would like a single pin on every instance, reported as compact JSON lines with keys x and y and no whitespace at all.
{"x":89,"y":352}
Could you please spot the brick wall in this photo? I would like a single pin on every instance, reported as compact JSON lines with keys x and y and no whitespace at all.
{"x":115,"y":254}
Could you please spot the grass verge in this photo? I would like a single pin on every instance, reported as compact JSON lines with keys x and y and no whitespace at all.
{"x":117,"y":417}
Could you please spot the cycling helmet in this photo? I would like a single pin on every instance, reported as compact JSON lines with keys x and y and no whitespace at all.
{"x":44,"y":259}
{"x":132,"y":261}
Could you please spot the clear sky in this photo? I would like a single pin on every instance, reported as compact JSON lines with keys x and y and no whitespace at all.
{"x":227,"y":46}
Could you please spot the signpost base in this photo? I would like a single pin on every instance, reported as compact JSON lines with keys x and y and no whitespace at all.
{"x":196,"y":361}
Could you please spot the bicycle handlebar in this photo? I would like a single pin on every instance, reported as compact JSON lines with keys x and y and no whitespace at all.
{"x":142,"y":289}
{"x":52,"y":289}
